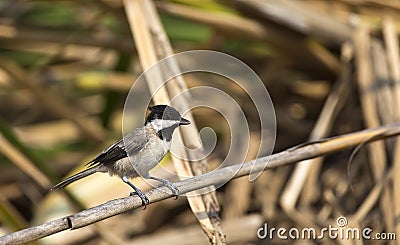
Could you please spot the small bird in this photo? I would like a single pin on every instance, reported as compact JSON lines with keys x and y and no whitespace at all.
{"x":137,"y":152}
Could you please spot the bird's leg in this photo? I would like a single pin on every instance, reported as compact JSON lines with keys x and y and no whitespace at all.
{"x":166,"y":183}
{"x":138,"y":192}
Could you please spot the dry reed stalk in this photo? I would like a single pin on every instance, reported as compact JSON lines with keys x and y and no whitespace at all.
{"x":23,"y":163}
{"x":378,"y":160}
{"x":152,"y":45}
{"x":333,"y":104}
{"x":393,"y":56}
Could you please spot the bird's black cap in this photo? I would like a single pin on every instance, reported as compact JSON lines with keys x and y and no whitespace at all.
{"x":165,"y":112}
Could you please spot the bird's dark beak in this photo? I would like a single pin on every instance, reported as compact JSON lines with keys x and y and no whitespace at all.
{"x":184,"y":121}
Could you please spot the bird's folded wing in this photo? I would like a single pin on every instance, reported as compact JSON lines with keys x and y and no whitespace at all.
{"x":133,"y":142}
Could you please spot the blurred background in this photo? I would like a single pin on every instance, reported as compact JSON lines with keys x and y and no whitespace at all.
{"x":331,"y":67}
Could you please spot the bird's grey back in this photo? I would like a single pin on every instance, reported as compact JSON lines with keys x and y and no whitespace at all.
{"x":134,"y":140}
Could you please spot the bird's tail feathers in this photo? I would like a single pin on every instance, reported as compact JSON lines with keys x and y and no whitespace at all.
{"x":76,"y":177}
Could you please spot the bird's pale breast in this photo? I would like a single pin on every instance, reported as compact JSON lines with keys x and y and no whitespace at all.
{"x":143,"y":161}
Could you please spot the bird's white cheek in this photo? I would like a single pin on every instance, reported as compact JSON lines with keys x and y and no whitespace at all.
{"x":167,"y":145}
{"x":159,"y":124}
